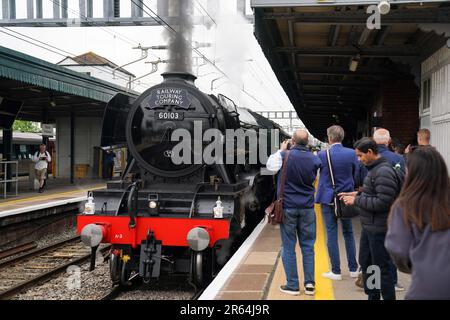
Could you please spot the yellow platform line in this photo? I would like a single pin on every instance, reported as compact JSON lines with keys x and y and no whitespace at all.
{"x":52,"y":195}
{"x":324,"y":287}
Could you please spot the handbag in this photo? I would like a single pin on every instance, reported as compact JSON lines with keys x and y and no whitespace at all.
{"x":341,"y":210}
{"x":274,"y":212}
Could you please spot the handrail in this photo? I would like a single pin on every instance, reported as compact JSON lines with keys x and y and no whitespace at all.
{"x":5,"y":181}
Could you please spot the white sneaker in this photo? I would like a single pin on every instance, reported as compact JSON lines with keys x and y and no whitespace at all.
{"x":399,"y":287}
{"x":332,"y":276}
{"x":354,"y":274}
{"x":309,"y":289}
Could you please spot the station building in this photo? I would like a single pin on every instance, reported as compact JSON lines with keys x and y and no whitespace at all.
{"x":74,"y":102}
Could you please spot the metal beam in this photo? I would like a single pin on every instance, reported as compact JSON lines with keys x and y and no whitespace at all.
{"x":364,"y":71}
{"x":39,"y":9}
{"x":324,"y":3}
{"x":400,"y":16}
{"x":333,"y":84}
{"x":96,"y":22}
{"x":30,"y":9}
{"x":9,"y":9}
{"x":350,"y":51}
{"x":82,"y":8}
{"x":137,"y":9}
{"x":64,"y":9}
{"x":56,"y":9}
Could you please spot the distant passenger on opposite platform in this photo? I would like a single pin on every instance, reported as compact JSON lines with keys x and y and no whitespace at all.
{"x":42,"y":159}
{"x":299,"y":216}
{"x":381,"y":187}
{"x":345,"y":167}
{"x":109,"y":164}
{"x":418,"y":234}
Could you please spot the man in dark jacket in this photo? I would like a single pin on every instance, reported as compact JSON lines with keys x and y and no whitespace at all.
{"x":298,"y":206}
{"x":380,"y":189}
{"x":383,"y":138}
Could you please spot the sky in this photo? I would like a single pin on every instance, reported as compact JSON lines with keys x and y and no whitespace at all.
{"x":250,"y":81}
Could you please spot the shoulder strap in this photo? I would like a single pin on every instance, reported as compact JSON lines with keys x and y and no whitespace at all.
{"x":283,"y":175}
{"x":330,"y":168}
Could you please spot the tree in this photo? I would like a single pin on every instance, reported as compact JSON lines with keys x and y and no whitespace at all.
{"x":25,"y":126}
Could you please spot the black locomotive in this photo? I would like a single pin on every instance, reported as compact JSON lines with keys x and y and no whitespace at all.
{"x":177,"y":218}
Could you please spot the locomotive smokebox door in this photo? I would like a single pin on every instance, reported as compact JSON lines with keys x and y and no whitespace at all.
{"x":150,"y":258}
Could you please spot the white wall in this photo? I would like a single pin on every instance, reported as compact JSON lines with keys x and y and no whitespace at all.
{"x":437,"y":119}
{"x":103,"y":73}
{"x":87,"y":135}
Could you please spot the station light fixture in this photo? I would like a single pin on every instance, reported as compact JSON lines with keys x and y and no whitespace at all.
{"x":354,"y":63}
{"x":384,"y":7}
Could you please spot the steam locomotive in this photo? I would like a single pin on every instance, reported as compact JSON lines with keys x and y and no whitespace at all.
{"x":164,"y":217}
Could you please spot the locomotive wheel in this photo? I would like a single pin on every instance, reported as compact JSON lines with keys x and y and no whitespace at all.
{"x":198,"y":268}
{"x":124,"y":274}
{"x":115,"y":268}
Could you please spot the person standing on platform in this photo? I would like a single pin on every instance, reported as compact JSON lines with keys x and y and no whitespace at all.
{"x":381,"y":187}
{"x":345,"y":168}
{"x":418,"y":234}
{"x":298,"y":205}
{"x":42,"y":158}
{"x":109,"y":163}
{"x":382,"y":137}
{"x":423,"y":139}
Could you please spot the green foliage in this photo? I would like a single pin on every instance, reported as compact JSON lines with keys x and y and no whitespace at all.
{"x":25,"y":126}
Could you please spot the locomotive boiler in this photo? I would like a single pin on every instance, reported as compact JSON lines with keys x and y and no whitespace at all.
{"x":167,"y":217}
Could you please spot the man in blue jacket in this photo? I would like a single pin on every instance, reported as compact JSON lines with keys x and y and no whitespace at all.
{"x":382,"y":137}
{"x":299,"y":216}
{"x":345,"y":167}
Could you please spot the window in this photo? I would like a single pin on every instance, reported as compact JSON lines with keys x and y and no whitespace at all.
{"x":426,"y":94}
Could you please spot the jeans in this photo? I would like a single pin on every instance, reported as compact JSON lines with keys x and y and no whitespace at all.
{"x":299,"y":223}
{"x":394,"y":272}
{"x":331,"y":223}
{"x":372,"y":252}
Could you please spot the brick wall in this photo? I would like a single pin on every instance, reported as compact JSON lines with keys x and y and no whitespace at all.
{"x":400,"y":109}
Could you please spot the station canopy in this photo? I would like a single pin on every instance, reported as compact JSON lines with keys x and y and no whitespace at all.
{"x":46,"y":90}
{"x":331,"y":64}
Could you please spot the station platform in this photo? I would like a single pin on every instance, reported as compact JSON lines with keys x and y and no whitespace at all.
{"x":256,"y":272}
{"x":58,"y":192}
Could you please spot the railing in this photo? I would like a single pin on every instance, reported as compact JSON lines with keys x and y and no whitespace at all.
{"x":5,"y":180}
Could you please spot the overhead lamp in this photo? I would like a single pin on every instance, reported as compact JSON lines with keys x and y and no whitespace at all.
{"x":354,"y":63}
{"x":384,"y":7}
{"x":53,"y":102}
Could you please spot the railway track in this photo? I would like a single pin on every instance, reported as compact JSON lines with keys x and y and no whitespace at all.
{"x":31,"y":268}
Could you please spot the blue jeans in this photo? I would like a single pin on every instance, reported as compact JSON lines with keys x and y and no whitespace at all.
{"x":331,"y":223}
{"x":373,"y":253}
{"x":299,"y":223}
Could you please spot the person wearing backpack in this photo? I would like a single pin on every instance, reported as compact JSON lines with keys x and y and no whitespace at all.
{"x":381,"y":187}
{"x":382,"y":137}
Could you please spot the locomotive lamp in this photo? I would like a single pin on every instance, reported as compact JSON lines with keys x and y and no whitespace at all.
{"x":89,"y":207}
{"x":153,"y":204}
{"x":198,"y":239}
{"x":384,"y":7}
{"x":92,"y":234}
